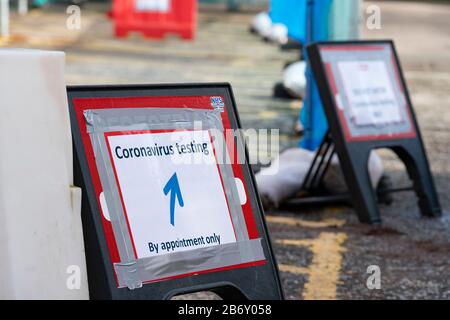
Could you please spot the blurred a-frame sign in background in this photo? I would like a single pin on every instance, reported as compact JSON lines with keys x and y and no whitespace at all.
{"x":367,"y":105}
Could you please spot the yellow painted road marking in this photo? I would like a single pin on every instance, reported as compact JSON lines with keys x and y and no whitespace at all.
{"x":296,"y":105}
{"x":326,"y":223}
{"x":297,"y":243}
{"x":292,"y":269}
{"x":5,"y":40}
{"x":325,"y":267}
{"x":267,"y":114}
{"x":323,"y":273}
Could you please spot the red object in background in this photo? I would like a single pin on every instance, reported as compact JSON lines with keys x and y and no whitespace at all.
{"x":155,"y":18}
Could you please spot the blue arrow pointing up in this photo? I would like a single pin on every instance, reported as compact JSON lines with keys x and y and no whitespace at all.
{"x":173,"y":187}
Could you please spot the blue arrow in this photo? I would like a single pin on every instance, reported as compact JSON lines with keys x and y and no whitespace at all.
{"x":173,"y":187}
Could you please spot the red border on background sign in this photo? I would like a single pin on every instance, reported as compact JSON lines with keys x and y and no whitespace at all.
{"x":181,"y":102}
{"x":343,"y":120}
{"x":135,"y":132}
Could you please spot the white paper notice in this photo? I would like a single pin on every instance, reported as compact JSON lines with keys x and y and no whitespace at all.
{"x":172,"y":204}
{"x":369,"y":90}
{"x":153,"y":5}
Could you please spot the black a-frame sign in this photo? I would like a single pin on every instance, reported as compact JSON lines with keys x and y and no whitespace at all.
{"x":170,"y":204}
{"x":367,"y":106}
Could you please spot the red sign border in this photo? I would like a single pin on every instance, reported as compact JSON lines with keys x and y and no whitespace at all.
{"x":342,"y":119}
{"x":140,"y":102}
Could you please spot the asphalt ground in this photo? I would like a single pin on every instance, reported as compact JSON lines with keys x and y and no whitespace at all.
{"x":323,"y":253}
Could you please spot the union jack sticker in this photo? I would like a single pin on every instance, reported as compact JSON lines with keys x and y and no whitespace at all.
{"x":217,"y":103}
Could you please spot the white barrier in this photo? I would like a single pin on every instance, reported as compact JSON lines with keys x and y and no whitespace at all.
{"x":41,"y":241}
{"x":4,"y":18}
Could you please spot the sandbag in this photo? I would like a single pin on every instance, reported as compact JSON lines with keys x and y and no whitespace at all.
{"x":278,"y":33}
{"x":262,"y":24}
{"x":294,"y":79}
{"x":284,"y":177}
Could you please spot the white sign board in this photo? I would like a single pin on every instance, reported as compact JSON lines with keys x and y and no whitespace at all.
{"x":370,"y":93}
{"x":171,"y":190}
{"x":153,"y":5}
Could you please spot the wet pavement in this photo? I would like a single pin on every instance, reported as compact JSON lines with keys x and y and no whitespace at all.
{"x":323,"y":253}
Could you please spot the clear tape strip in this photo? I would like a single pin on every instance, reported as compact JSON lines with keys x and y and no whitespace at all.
{"x":135,"y":273}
